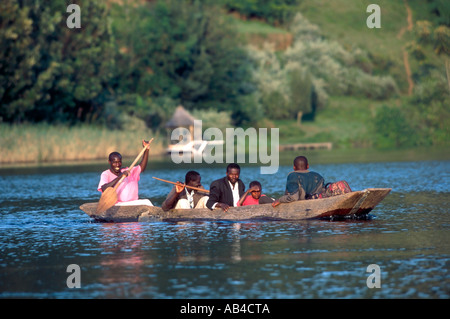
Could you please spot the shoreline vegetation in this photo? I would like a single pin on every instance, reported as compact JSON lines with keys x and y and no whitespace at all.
{"x":312,"y":69}
{"x":44,"y":143}
{"x":47,"y":145}
{"x":319,"y":157}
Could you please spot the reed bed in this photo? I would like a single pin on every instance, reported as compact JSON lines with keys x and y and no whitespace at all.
{"x":47,"y":143}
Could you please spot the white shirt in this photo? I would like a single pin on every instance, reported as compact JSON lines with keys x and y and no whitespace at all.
{"x":190,"y":198}
{"x":235,"y":191}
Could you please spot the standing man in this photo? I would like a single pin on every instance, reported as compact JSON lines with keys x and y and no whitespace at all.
{"x":181,"y":197}
{"x":128,"y":190}
{"x":301,"y":183}
{"x":227,"y":191}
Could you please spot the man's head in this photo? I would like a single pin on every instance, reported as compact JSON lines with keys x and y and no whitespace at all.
{"x":193,"y":178}
{"x":256,"y":193}
{"x":115,"y":162}
{"x":301,"y":163}
{"x":233,"y":171}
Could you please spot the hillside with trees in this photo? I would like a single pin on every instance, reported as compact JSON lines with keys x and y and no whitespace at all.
{"x":312,"y":68}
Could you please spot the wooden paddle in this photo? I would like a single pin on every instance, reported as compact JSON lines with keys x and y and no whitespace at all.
{"x":109,"y":196}
{"x":192,"y":187}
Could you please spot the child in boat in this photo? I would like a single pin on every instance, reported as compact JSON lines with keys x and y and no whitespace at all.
{"x":256,"y":197}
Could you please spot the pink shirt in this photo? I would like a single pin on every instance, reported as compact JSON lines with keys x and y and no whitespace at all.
{"x":128,"y":189}
{"x":249,"y":200}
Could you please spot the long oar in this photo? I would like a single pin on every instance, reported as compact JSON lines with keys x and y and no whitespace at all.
{"x":192,"y":187}
{"x":109,"y":196}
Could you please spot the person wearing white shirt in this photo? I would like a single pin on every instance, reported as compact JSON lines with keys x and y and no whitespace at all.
{"x":181,"y":197}
{"x":226,"y":192}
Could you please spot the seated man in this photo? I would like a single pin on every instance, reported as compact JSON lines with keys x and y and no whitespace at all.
{"x":301,"y":183}
{"x":226,"y":191}
{"x":256,"y":197}
{"x":181,"y":197}
{"x":128,"y":190}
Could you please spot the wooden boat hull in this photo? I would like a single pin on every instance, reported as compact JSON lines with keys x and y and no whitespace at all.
{"x":354,"y":204}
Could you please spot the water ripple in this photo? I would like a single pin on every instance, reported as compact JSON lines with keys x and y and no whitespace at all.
{"x":42,"y":231}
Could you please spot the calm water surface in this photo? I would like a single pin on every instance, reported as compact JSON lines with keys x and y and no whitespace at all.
{"x":42,"y":231}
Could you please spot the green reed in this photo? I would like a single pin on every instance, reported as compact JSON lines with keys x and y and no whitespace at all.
{"x":44,"y":143}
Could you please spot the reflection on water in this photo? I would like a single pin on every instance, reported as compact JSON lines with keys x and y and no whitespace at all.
{"x":42,"y":231}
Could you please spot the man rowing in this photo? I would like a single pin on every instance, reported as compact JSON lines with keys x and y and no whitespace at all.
{"x":301,"y":183}
{"x":128,"y":190}
{"x":182,"y":197}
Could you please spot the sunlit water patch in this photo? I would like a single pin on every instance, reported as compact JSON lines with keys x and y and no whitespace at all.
{"x":42,"y":231}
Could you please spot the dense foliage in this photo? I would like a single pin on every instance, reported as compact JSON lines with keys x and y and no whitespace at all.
{"x":424,"y":117}
{"x":424,"y":120}
{"x":140,"y":59}
{"x":183,"y":51}
{"x":274,"y":11}
{"x":49,"y":72}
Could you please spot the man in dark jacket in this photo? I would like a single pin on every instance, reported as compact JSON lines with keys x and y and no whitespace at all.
{"x":227,"y":191}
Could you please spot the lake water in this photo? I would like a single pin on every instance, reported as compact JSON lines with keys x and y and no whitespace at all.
{"x":42,"y":232}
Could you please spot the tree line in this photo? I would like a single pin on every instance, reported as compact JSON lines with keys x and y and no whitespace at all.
{"x":142,"y":59}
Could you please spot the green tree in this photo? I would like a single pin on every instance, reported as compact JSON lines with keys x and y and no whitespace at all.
{"x":441,"y":10}
{"x":301,"y":90}
{"x":180,"y":50}
{"x":49,"y":72}
{"x":392,"y":129}
{"x":274,"y":11}
{"x":428,"y":108}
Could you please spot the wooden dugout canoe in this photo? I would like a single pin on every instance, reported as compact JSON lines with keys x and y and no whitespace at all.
{"x":351,"y":205}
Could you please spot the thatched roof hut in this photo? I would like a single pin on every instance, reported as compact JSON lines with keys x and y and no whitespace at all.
{"x":181,"y":118}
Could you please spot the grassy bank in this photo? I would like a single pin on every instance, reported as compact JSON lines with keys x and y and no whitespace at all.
{"x":346,"y":122}
{"x":46,"y":143}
